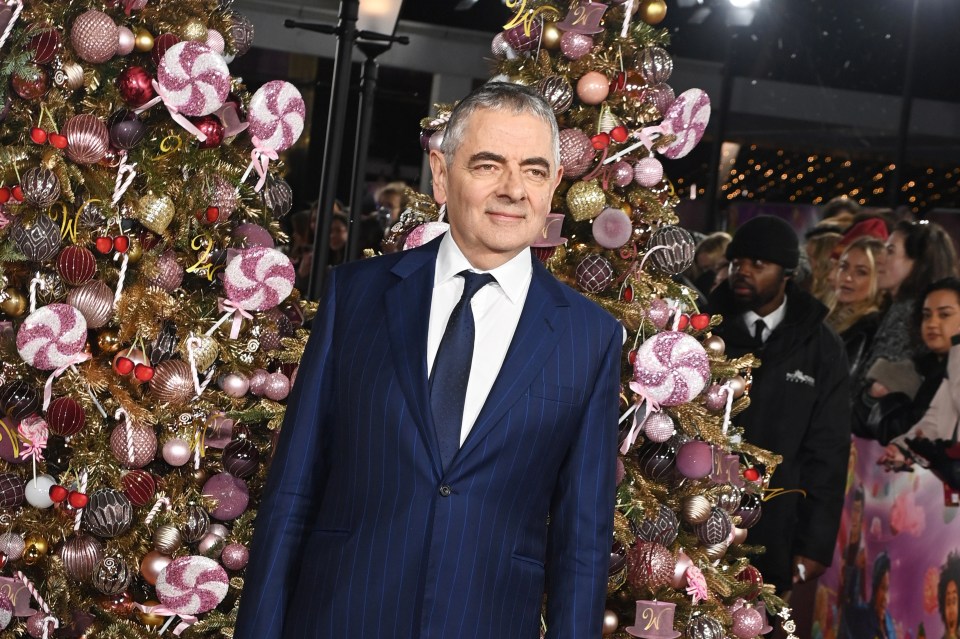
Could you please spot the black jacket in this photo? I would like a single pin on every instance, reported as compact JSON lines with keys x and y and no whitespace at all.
{"x":800,"y":409}
{"x":857,"y":341}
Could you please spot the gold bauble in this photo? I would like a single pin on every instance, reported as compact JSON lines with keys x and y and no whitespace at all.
{"x":610,"y":622}
{"x":35,"y":547}
{"x":585,"y":200}
{"x":155,"y":212}
{"x":166,"y":539}
{"x":739,"y":386}
{"x":172,"y":382}
{"x":15,"y":303}
{"x":652,"y":11}
{"x":717,"y":551}
{"x":193,"y":29}
{"x":551,"y":36}
{"x":696,"y":509}
{"x":70,"y":75}
{"x":135,"y":251}
{"x":108,"y":340}
{"x":143,"y":42}
{"x":714,"y":345}
{"x":205,"y":354}
{"x":148,"y":618}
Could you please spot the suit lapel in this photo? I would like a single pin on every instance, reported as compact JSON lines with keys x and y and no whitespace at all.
{"x":407,"y":304}
{"x":537,"y":334}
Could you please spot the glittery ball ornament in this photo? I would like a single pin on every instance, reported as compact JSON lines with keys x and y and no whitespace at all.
{"x":575,"y":45}
{"x":661,"y":96}
{"x":12,"y":545}
{"x":172,"y":382}
{"x":671,"y":249}
{"x":576,"y":153}
{"x":40,"y":186}
{"x":195,"y":524}
{"x":80,"y":555}
{"x":499,"y":47}
{"x":658,"y":427}
{"x":205,"y":350}
{"x":12,"y":489}
{"x":655,"y":64}
{"x":65,"y":417}
{"x":193,"y":29}
{"x":277,"y":197}
{"x":747,"y":623}
{"x":585,"y":200}
{"x":593,"y":87}
{"x":749,"y":510}
{"x":134,"y":445}
{"x":88,"y":138}
{"x":594,"y":273}
{"x":108,"y":513}
{"x":38,"y":240}
{"x":649,"y":565}
{"x":76,"y":265}
{"x":235,"y":556}
{"x":215,"y":41}
{"x":656,"y":459}
{"x":167,"y":274}
{"x":223,"y":195}
{"x":241,"y":458}
{"x":240,"y":34}
{"x":111,"y":576}
{"x":557,"y":91}
{"x":231,"y":494}
{"x":622,"y":173}
{"x":520,"y":40}
{"x":715,"y":529}
{"x":94,"y":36}
{"x":94,"y":300}
{"x":704,"y":627}
{"x":715,"y":398}
{"x":135,"y":86}
{"x":671,"y":368}
{"x":40,"y":625}
{"x":155,"y":212}
{"x":661,"y":528}
{"x":648,"y":172}
{"x":139,"y":486}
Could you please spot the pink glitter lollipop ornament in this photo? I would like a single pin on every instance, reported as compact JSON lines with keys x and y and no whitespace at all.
{"x":256,"y":279}
{"x":275,"y":117}
{"x":192,"y":80}
{"x":192,"y":585}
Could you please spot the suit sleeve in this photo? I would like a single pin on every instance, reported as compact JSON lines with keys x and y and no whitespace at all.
{"x":824,"y":457}
{"x":581,"y":522}
{"x":294,"y":484}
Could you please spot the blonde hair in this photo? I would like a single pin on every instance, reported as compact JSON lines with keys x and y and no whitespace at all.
{"x":843,"y":316}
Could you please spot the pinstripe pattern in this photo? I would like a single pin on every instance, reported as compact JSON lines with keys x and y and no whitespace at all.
{"x":354,"y":537}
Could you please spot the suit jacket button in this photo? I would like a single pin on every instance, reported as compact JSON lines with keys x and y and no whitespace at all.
{"x":445,"y":491}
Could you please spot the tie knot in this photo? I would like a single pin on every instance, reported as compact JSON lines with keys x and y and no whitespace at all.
{"x":473,"y":282}
{"x":758,"y":328}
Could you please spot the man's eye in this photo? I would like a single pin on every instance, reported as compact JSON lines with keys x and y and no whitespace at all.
{"x":538,"y":173}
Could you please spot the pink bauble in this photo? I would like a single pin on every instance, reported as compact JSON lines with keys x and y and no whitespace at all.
{"x":500,"y":49}
{"x":193,"y":79}
{"x":235,"y":385}
{"x":258,"y":382}
{"x":747,"y":623}
{"x":94,"y":36}
{"x":671,"y":368}
{"x":192,"y":585}
{"x":51,"y":337}
{"x":593,"y":87}
{"x":716,"y":398}
{"x":660,"y":95}
{"x":695,"y":459}
{"x":276,"y":115}
{"x":231,"y":494}
{"x":88,"y":138}
{"x":40,"y":625}
{"x":612,"y":228}
{"x":168,"y":273}
{"x":679,"y":579}
{"x":125,"y":41}
{"x":686,"y":120}
{"x":277,"y":387}
{"x":594,"y":273}
{"x":622,"y":173}
{"x":176,"y":451}
{"x":152,"y":565}
{"x":215,"y":41}
{"x":658,"y":427}
{"x":648,"y":172}
{"x":207,"y":546}
{"x":575,"y":45}
{"x":424,"y":233}
{"x":253,"y":235}
{"x":658,"y":313}
{"x":576,"y":152}
{"x":235,"y":556}
{"x":136,"y":449}
{"x":259,"y":278}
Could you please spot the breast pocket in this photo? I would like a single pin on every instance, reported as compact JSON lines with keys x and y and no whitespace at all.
{"x":554,"y":393}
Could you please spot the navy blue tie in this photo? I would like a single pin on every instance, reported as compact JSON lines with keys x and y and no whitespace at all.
{"x":451,"y":368}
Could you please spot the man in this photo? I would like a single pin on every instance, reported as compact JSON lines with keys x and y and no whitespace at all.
{"x":799,"y":400}
{"x":410,"y":492}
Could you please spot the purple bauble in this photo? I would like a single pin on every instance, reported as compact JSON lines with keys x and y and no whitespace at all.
{"x":241,"y":458}
{"x":19,"y":399}
{"x":594,"y":273}
{"x":576,"y":152}
{"x":658,"y":313}
{"x":656,"y":459}
{"x":662,"y":528}
{"x":520,"y":40}
{"x":258,"y":382}
{"x":277,"y":387}
{"x":235,"y":385}
{"x":751,"y":507}
{"x":648,"y":172}
{"x":695,"y":459}
{"x":253,"y":235}
{"x":230,"y":493}
{"x":622,"y":173}
{"x":658,"y":427}
{"x":747,"y":623}
{"x":716,"y":398}
{"x":12,"y":490}
{"x":39,"y":622}
{"x":235,"y":556}
{"x":176,"y":451}
{"x":575,"y":45}
{"x":715,"y":529}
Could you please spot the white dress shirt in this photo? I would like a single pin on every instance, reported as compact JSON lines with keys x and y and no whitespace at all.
{"x":496,"y":312}
{"x":772,"y":320}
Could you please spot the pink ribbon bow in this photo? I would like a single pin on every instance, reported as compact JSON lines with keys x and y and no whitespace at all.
{"x":48,"y":387}
{"x":35,"y":431}
{"x":637,"y":426}
{"x":185,"y":620}
{"x":229,"y":307}
{"x":260,"y":158}
{"x":174,"y":113}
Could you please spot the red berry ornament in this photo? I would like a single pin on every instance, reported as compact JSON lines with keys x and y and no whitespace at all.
{"x":77,"y":500}
{"x":58,"y":493}
{"x":683,"y":323}
{"x":600,"y":141}
{"x":4,"y":194}
{"x":18,"y":193}
{"x":38,"y":135}
{"x":121,"y":243}
{"x":700,"y":321}
{"x":751,"y":474}
{"x":619,"y":133}
{"x":57,"y":141}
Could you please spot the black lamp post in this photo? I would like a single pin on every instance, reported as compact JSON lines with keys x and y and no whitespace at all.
{"x":906,"y":107}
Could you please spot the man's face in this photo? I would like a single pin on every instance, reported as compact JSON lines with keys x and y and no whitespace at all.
{"x":882,"y":597}
{"x":498,"y":186}
{"x":951,"y":607}
{"x":756,"y":284}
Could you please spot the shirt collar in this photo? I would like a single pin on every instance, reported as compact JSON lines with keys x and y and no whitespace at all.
{"x":512,"y":276}
{"x":772,"y":320}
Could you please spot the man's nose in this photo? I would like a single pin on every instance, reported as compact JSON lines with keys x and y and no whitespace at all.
{"x":511,"y":185}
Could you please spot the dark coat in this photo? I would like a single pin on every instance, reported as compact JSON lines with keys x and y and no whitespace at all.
{"x":857,"y":341}
{"x":800,"y":409}
{"x":362,"y":533}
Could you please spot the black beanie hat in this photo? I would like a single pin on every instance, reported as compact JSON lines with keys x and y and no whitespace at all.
{"x":766,"y":238}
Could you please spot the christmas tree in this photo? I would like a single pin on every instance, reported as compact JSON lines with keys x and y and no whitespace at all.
{"x":690,"y":487}
{"x":150,"y":330}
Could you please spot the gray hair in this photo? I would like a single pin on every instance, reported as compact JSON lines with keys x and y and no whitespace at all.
{"x":499,"y":96}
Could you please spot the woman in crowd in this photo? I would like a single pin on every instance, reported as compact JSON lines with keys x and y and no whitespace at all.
{"x":886,"y":412}
{"x":819,"y":247}
{"x":710,"y":262}
{"x":855,"y":313}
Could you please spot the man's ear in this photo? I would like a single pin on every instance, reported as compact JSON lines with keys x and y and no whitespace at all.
{"x":438,"y":167}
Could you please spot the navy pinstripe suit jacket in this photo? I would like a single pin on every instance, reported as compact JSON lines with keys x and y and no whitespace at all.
{"x":361,"y":534}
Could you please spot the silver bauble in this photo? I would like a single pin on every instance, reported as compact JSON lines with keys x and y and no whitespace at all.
{"x":80,"y":555}
{"x":671,"y":249}
{"x":112,"y":576}
{"x":41,"y":187}
{"x":108,"y":514}
{"x":166,"y":539}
